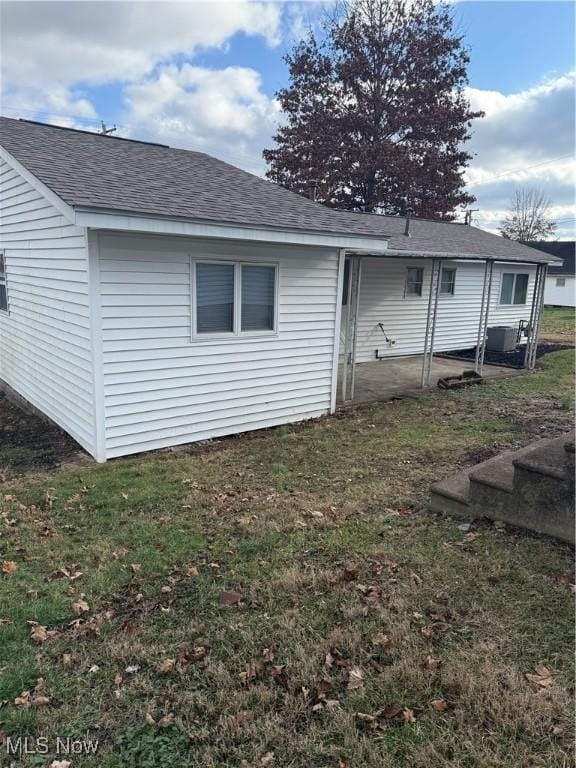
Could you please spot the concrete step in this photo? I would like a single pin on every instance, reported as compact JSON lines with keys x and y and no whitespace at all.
{"x":532,"y":488}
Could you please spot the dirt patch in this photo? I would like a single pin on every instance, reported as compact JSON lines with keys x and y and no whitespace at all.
{"x":29,"y":442}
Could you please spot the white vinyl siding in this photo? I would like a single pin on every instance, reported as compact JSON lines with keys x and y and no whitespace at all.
{"x":383,"y":300}
{"x":164,"y":388}
{"x":560,"y":295}
{"x":45,"y":339}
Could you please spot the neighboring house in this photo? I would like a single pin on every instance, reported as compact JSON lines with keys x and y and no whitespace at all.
{"x":560,"y":290}
{"x":152,"y":296}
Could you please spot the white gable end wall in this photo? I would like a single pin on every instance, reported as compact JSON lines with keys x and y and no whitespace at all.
{"x":162,"y":388}
{"x":45,"y":345}
{"x":382,"y":300}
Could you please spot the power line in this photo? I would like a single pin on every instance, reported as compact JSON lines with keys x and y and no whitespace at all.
{"x":519,"y":170}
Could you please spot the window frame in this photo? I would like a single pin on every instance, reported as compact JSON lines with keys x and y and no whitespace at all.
{"x":513,"y":293}
{"x":4,"y":282}
{"x":406,"y":292}
{"x":453,"y":291}
{"x":237,"y":332}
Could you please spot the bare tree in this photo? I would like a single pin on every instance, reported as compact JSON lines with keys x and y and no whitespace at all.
{"x":529,"y":217}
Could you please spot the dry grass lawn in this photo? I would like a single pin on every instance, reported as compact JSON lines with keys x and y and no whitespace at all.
{"x":284,"y":599}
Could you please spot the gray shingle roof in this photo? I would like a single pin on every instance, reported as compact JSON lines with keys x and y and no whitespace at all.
{"x":562,"y":249}
{"x":92,"y":171}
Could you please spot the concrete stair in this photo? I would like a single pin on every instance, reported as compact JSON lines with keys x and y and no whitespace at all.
{"x":531,"y":488}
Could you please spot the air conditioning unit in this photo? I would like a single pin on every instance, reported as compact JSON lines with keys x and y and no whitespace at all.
{"x":501,"y":338}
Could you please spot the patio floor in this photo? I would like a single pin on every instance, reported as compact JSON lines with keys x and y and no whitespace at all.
{"x":395,"y":376}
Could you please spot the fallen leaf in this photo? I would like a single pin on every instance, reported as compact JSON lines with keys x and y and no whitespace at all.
{"x":80,"y":607}
{"x":382,"y":640}
{"x":230,"y":598}
{"x":8,"y":566}
{"x":60,"y":764}
{"x":166,"y":666}
{"x":135,"y":566}
{"x":439,"y":705}
{"x":557,"y":730}
{"x":355,"y":679}
{"x":268,"y":759}
{"x":165,"y":721}
{"x":267,"y":655}
{"x":430,"y":662}
{"x":408,"y":716}
{"x":132,"y":669}
{"x":40,"y":634}
{"x":543,"y":677}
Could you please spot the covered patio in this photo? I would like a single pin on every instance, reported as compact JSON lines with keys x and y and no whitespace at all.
{"x":399,"y":312}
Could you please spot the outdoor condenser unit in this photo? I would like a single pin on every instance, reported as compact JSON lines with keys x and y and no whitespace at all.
{"x":501,"y":338}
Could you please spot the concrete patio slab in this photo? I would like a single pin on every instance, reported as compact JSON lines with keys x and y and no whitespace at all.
{"x":396,"y":376}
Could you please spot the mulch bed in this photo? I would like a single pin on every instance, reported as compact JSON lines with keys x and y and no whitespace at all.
{"x":511,"y":359}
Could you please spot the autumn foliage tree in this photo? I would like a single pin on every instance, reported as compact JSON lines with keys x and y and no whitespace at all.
{"x":376,"y":113}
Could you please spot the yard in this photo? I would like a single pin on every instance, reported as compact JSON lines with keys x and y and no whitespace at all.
{"x":558,"y":324}
{"x":284,"y":599}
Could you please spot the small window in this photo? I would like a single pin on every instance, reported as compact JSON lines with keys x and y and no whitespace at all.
{"x":258,"y":290}
{"x":234,"y":298}
{"x":514,"y":288}
{"x":560,"y":282}
{"x":448,"y":282}
{"x":214,"y":298}
{"x":3,"y":285}
{"x":414,"y":280}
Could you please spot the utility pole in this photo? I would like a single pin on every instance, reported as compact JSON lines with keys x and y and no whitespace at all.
{"x":468,"y":215}
{"x":105,"y":131}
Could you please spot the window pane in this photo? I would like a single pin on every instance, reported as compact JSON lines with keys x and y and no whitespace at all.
{"x":560,"y":282}
{"x":448,"y":281}
{"x":521,"y":289}
{"x":414,"y":278}
{"x":214,"y":298}
{"x":346,"y":282}
{"x":258,"y":298}
{"x":2,"y":267}
{"x":506,"y":290}
{"x":3,"y":297}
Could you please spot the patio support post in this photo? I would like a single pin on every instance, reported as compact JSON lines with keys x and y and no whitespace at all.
{"x":431,"y":317}
{"x":347,"y":335}
{"x":535,"y":315}
{"x":351,"y":329}
{"x":484,"y":317}
{"x":356,"y":304}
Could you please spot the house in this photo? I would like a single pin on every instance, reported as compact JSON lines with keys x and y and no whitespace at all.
{"x":560,"y":290}
{"x":152,"y":296}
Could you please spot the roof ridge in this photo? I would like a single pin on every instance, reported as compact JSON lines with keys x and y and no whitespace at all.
{"x":89,"y":133}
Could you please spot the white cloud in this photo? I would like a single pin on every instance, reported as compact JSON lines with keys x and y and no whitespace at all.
{"x":526,"y":139}
{"x":103,"y":42}
{"x":223,"y":112}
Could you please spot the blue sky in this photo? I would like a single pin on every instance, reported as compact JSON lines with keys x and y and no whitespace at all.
{"x":204,"y":75}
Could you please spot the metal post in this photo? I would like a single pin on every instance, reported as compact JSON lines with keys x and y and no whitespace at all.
{"x":481,"y":317}
{"x":530,"y":336}
{"x":434,"y":318}
{"x":424,"y":376}
{"x":356,"y":300}
{"x":486,"y":318}
{"x":538,"y":314}
{"x":347,"y":333}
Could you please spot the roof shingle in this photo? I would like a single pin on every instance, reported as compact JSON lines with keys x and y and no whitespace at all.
{"x":106,"y":173}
